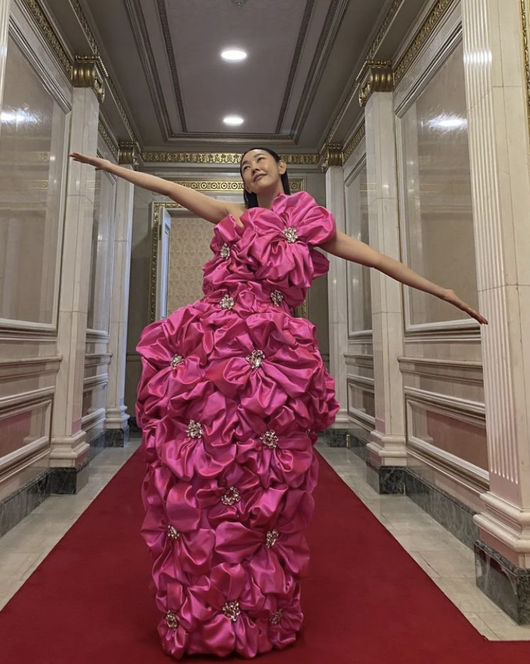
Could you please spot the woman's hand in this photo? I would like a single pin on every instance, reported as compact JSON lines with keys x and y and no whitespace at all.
{"x":451,"y":297}
{"x":99,"y":164}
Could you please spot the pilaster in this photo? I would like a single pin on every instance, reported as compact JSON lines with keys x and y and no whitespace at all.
{"x":4,"y":35}
{"x":496,"y":83}
{"x":116,"y":421}
{"x":69,"y":449}
{"x":387,"y":446}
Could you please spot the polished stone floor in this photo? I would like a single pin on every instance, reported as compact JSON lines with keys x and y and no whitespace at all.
{"x":448,"y":562}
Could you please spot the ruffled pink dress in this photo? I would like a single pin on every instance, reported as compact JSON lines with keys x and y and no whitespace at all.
{"x":232,"y":394}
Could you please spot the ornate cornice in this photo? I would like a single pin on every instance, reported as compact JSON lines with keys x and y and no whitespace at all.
{"x":90,"y":72}
{"x":375,"y":76}
{"x":49,"y":35}
{"x":354,"y":141}
{"x":422,"y":37}
{"x":128,"y":153}
{"x":331,"y":155}
{"x":109,"y":140}
{"x":526,"y":53}
{"x":224,"y":158}
{"x":389,"y":17}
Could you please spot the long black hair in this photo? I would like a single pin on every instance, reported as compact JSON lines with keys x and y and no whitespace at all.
{"x":251,"y":200}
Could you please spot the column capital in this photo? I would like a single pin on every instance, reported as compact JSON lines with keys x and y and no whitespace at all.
{"x":331,"y":155}
{"x":89,"y":71}
{"x":375,"y":76}
{"x":129,"y":153}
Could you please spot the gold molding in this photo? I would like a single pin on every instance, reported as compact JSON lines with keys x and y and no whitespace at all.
{"x":389,"y":17}
{"x":108,"y":139}
{"x":375,"y":76}
{"x":128,"y":153}
{"x":212,"y":186}
{"x":224,"y":158}
{"x":90,"y":72}
{"x":87,"y":31}
{"x":525,"y":25}
{"x":354,"y":141}
{"x":428,"y":26}
{"x":49,"y":35}
{"x":331,"y":155}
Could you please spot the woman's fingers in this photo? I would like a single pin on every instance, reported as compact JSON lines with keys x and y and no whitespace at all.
{"x":453,"y":299}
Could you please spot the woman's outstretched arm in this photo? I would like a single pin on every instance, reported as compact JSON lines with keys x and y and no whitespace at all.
{"x":207,"y":207}
{"x":344,"y":246}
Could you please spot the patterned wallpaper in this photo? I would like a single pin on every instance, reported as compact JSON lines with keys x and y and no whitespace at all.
{"x":189,"y":249}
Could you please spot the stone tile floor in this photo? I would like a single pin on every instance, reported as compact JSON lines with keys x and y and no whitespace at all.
{"x":446,"y":560}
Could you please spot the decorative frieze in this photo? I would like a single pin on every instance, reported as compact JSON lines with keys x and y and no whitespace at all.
{"x":223,"y":158}
{"x":332,"y":155}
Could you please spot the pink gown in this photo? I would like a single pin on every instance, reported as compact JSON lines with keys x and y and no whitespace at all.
{"x":232,"y":394}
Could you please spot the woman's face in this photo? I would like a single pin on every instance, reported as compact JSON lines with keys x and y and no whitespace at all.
{"x":261,"y":172}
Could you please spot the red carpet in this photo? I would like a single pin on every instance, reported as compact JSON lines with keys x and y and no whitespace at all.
{"x":366,"y":601}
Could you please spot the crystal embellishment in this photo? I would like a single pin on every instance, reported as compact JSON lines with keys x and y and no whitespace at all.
{"x":226,"y":302}
{"x":255,"y":358}
{"x":172,"y":533}
{"x":269,"y":438}
{"x":176,"y":360}
{"x":276,"y":617}
{"x":225,"y":251}
{"x":231,"y":496}
{"x":194,"y":429}
{"x":171,"y":620}
{"x":291,"y":234}
{"x":271,"y":538}
{"x":277,"y":297}
{"x":232,"y":610}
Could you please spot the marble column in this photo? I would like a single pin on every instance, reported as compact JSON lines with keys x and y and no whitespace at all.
{"x":116,"y":420}
{"x":4,"y":34}
{"x":338,"y":324}
{"x":499,"y":139}
{"x":69,"y":449}
{"x":387,"y":447}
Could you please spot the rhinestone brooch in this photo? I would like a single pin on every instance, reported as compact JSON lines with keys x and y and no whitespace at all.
{"x":225,"y":251}
{"x":171,"y":620}
{"x":276,"y":617}
{"x":176,"y":360}
{"x":271,"y":538}
{"x":255,"y":358}
{"x":226,"y":302}
{"x":231,"y":497}
{"x":269,"y":438}
{"x":291,"y":234}
{"x":172,"y":533}
{"x":194,"y":429}
{"x":277,"y":297}
{"x":232,"y":610}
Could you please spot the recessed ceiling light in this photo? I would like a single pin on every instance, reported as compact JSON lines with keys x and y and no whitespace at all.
{"x":233,"y":120}
{"x":233,"y":54}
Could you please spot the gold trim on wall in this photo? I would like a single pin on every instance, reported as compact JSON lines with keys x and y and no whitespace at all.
{"x":225,"y":158}
{"x":49,"y":35}
{"x":421,"y":37}
{"x":525,"y":28}
{"x":107,"y":138}
{"x":354,"y":141}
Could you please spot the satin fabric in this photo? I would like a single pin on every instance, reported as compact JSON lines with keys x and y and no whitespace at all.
{"x":232,"y":394}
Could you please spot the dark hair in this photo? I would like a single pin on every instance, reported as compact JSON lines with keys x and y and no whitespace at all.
{"x":251,"y":200}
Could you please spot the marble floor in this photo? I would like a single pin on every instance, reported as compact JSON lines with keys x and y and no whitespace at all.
{"x":448,"y":562}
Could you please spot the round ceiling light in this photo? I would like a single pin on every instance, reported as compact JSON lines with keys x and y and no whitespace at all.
{"x":233,"y":120}
{"x":233,"y":54}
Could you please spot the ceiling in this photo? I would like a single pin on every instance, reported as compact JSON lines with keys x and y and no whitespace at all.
{"x":169,"y":89}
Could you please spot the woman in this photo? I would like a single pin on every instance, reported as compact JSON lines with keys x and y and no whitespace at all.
{"x":232,"y":394}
